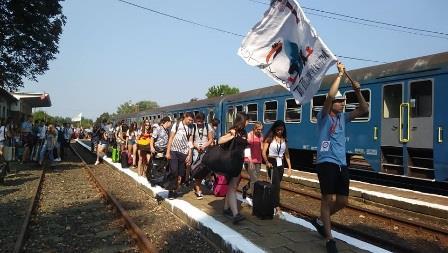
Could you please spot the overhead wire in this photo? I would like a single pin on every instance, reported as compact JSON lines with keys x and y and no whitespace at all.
{"x":222,"y":30}
{"x":369,"y":20}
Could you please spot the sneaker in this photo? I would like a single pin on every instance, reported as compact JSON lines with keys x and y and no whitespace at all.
{"x":172,"y":195}
{"x":199,"y":195}
{"x":97,"y":162}
{"x":237,"y":218}
{"x":227,"y":212}
{"x":57,"y":159}
{"x":331,"y":246}
{"x":319,"y":226}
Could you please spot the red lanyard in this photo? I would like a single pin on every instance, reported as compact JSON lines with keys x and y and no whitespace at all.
{"x":334,"y":124}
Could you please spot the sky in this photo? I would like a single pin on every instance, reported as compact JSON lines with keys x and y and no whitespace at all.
{"x":111,"y":52}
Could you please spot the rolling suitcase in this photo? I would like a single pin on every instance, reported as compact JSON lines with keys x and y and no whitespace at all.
{"x":263,"y":206}
{"x":124,"y":159}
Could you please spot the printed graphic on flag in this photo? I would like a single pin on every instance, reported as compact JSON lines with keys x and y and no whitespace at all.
{"x":286,"y":47}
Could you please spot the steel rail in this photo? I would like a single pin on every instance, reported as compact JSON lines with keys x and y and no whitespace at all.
{"x":411,"y":223}
{"x":23,"y":231}
{"x":140,"y":238}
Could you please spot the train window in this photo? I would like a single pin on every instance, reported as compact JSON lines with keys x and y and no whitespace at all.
{"x":392,"y":100}
{"x":230,"y":117}
{"x":293,"y":111}
{"x":195,"y":112}
{"x":421,"y":99}
{"x":181,"y":115}
{"x":316,"y":106}
{"x":252,"y":112}
{"x":211,"y":115}
{"x":270,"y":111}
{"x":175,"y":116}
{"x":352,"y":103}
{"x":239,"y":108}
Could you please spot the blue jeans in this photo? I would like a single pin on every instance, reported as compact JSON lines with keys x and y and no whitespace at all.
{"x":43,"y":151}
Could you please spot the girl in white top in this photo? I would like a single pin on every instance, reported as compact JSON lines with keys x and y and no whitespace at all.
{"x":132,"y":142}
{"x":275,"y":152}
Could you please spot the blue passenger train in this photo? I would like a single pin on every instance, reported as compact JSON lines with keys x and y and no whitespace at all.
{"x":403,"y":135}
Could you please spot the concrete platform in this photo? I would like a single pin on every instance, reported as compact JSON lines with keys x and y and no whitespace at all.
{"x":285,"y":234}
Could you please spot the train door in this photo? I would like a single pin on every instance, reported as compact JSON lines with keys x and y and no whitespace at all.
{"x":407,"y":129}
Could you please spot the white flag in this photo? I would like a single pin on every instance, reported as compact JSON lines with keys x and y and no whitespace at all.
{"x":286,"y":47}
{"x":77,"y":118}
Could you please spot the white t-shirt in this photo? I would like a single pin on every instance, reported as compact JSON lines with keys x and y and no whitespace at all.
{"x":277,"y":149}
{"x":181,"y":139}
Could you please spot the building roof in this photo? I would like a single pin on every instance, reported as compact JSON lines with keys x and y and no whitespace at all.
{"x":33,"y":99}
{"x":7,"y":95}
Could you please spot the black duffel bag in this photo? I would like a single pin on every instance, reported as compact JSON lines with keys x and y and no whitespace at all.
{"x":224,"y":159}
{"x":198,"y":168}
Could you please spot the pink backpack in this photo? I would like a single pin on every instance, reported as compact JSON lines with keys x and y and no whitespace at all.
{"x":220,"y":186}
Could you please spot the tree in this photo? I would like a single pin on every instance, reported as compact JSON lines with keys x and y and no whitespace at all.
{"x":29,"y":38}
{"x":42,"y":116}
{"x":105,"y":116}
{"x":129,"y":107}
{"x":221,"y":90}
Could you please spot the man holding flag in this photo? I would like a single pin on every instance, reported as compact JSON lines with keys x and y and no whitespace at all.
{"x":331,"y":164}
{"x":286,"y":47}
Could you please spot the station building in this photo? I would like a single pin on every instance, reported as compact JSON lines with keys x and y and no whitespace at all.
{"x":19,"y":105}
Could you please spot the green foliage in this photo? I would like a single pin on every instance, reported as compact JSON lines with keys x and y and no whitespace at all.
{"x":221,"y":90}
{"x":43,"y":116}
{"x":104,"y":117}
{"x":86,"y":123}
{"x":129,"y":107}
{"x":29,"y":37}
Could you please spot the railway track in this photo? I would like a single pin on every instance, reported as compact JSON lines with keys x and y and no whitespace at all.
{"x":66,"y":214}
{"x":165,"y":230}
{"x":437,"y":235}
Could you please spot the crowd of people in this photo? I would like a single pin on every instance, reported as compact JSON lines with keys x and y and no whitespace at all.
{"x":184,"y":142}
{"x":33,"y":141}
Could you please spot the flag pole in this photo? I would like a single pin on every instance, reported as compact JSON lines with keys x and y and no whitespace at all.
{"x":348,"y":76}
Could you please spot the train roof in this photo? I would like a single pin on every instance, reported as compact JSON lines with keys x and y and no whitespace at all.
{"x":363,"y":75}
{"x":379,"y":72}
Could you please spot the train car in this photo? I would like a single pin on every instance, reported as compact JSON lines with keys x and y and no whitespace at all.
{"x":403,"y":134}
